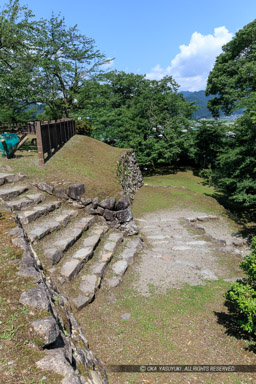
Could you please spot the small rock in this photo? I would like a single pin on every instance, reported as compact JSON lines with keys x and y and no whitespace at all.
{"x":61,"y":192}
{"x":126,"y":316}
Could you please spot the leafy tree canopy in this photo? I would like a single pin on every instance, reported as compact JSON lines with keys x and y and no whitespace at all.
{"x":43,"y":60}
{"x":233,"y":76}
{"x":130,"y":110}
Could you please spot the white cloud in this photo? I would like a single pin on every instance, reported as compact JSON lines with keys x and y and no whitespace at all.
{"x":191,"y":66}
{"x":108,"y":65}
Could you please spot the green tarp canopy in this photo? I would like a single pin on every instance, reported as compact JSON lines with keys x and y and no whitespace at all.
{"x":11,"y":140}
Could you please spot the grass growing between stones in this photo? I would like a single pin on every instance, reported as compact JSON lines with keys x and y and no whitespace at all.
{"x":19,"y":346}
{"x":81,"y":160}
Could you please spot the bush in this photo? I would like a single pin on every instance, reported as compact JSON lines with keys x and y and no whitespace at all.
{"x":241,"y":297}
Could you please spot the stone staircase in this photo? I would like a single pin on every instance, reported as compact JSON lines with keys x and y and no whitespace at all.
{"x":80,"y":252}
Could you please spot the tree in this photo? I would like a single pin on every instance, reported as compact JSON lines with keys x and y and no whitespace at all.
{"x":233,"y":77}
{"x":233,"y":81}
{"x":43,"y":61}
{"x":130,"y":110}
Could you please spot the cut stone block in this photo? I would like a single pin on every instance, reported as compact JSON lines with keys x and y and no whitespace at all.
{"x":54,"y":255}
{"x":32,"y":215}
{"x":120,"y":267}
{"x":40,"y":232}
{"x":11,"y":193}
{"x":71,"y":268}
{"x":89,"y":284}
{"x":75,"y":191}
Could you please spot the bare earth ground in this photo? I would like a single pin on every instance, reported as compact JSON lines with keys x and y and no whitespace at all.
{"x":170,"y":307}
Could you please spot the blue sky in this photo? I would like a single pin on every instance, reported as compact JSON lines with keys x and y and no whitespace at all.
{"x":166,"y":37}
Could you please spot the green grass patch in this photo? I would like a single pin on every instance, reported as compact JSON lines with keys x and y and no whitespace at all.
{"x":181,"y":179}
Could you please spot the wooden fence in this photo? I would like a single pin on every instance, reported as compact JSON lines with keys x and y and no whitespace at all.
{"x":28,"y":127}
{"x":52,"y":135}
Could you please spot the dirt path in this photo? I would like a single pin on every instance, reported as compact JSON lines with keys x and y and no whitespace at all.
{"x":184,"y":247}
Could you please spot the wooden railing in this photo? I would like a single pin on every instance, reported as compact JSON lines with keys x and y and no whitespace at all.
{"x":52,"y":135}
{"x":28,"y":127}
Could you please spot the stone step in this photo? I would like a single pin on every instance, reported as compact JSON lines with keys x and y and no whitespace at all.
{"x":68,"y":238}
{"x":25,"y":202}
{"x":54,"y":225}
{"x":95,"y":270}
{"x":27,"y":217}
{"x":125,"y":259}
{"x":11,"y":177}
{"x":11,"y":193}
{"x":77,"y":260}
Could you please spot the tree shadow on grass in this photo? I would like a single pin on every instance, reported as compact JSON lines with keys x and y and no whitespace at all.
{"x":230,"y":321}
{"x":164,"y":170}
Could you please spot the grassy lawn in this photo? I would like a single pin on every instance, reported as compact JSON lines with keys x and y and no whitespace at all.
{"x":81,"y":160}
{"x":185,"y":192}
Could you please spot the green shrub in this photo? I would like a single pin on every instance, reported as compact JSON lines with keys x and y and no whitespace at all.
{"x":241,"y":297}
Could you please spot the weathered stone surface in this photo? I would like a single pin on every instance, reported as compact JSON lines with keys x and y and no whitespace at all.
{"x":124,"y":216}
{"x":54,"y":255}
{"x":81,"y":301}
{"x":83,"y":253}
{"x":36,"y":298}
{"x":71,"y":268}
{"x":207,"y":217}
{"x":75,"y":191}
{"x":11,"y":193}
{"x":98,"y":268}
{"x":91,"y":241}
{"x":109,"y":215}
{"x":44,"y":187}
{"x":106,"y":257}
{"x":108,"y":203}
{"x":61,"y":192}
{"x":27,"y":260}
{"x":120,"y":267}
{"x":130,"y":228}
{"x":129,"y":254}
{"x":100,"y":211}
{"x":55,"y":361}
{"x":130,"y":174}
{"x":40,"y":232}
{"x":47,"y":329}
{"x":126,"y":316}
{"x":181,"y":248}
{"x":33,"y":214}
{"x":114,"y":282}
{"x":122,"y":204}
{"x":89,"y":284}
{"x":17,"y":231}
{"x":95,"y":202}
{"x":86,"y":201}
{"x":30,"y":272}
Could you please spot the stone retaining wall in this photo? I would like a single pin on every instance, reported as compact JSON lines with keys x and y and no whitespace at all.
{"x":129,"y":173}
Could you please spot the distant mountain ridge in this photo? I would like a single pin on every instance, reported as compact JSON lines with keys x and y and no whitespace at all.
{"x":201,"y":99}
